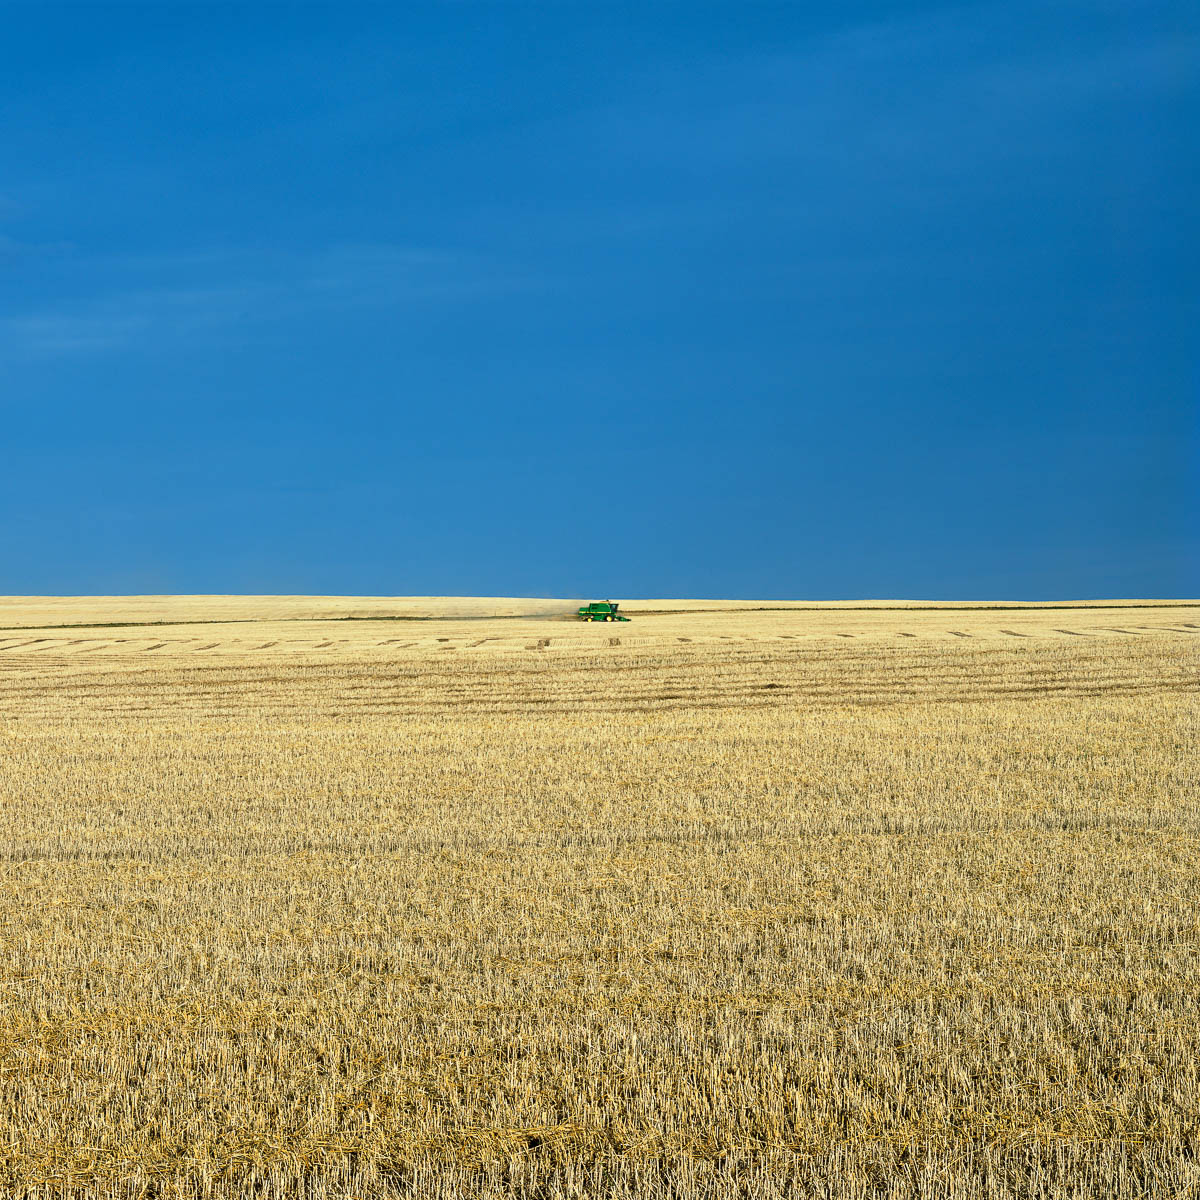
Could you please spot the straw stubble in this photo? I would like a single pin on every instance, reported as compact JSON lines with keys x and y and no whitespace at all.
{"x":763,"y":912}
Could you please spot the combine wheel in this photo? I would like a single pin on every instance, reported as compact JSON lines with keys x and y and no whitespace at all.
{"x":608,"y":618}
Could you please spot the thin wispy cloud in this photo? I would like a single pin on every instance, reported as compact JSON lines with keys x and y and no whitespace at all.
{"x":212,"y":295}
{"x":810,"y":99}
{"x":14,"y":250}
{"x":70,"y":333}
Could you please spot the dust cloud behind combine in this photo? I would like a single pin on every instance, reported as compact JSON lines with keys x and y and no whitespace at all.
{"x":49,"y":611}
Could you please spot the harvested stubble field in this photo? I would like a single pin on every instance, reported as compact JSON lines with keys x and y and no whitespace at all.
{"x":834,"y":901}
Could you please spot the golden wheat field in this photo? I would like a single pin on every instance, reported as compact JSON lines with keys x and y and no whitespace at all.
{"x":343,"y":898}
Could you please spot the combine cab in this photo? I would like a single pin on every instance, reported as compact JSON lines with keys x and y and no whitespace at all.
{"x":600,"y":610}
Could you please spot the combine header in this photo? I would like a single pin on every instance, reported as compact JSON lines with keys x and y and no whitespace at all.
{"x":601,"y":610}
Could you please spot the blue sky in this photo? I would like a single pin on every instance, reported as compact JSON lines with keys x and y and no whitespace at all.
{"x":813,"y":301}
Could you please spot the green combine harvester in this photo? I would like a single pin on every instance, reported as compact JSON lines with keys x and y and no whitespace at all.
{"x":600,"y":610}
